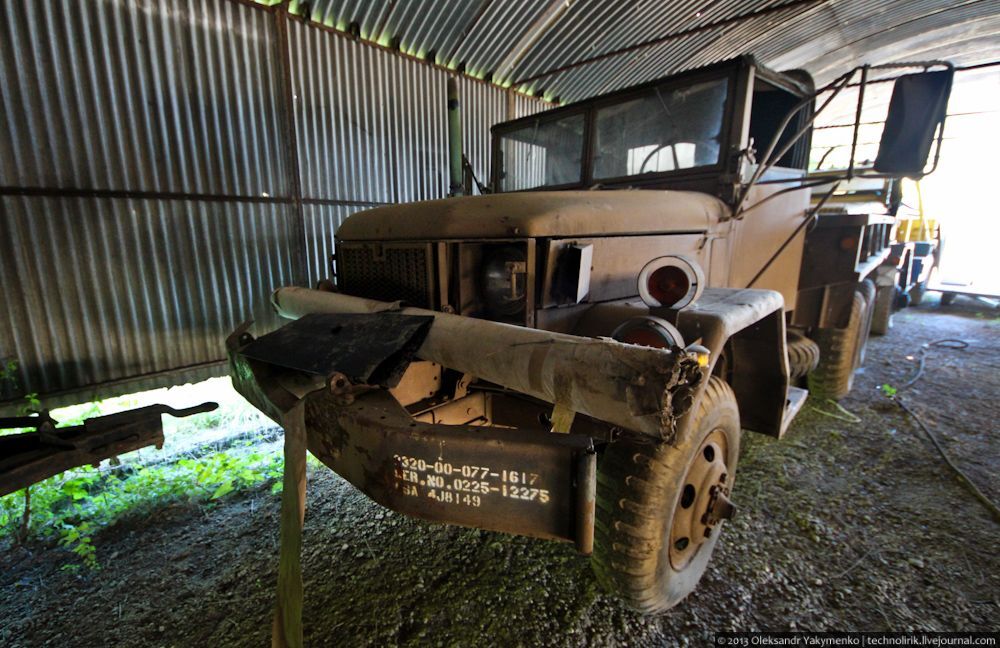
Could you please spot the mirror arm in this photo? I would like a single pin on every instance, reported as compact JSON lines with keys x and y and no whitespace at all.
{"x":770,"y":158}
{"x":806,"y":184}
{"x":819,"y":165}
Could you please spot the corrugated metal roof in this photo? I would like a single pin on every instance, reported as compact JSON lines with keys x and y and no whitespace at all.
{"x":518,"y":40}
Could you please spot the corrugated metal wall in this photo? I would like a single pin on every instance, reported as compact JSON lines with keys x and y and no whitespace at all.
{"x":482,"y":107}
{"x":371,"y":129}
{"x":144,"y":96}
{"x":148,"y":191}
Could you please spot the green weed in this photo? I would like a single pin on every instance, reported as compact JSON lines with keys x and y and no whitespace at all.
{"x":206,"y":463}
{"x":8,"y":374}
{"x":69,"y":509}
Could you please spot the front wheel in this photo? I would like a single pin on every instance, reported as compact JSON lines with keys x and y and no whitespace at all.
{"x":660,"y":507}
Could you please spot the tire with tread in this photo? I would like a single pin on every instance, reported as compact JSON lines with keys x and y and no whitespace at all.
{"x":882,"y":310}
{"x":803,"y":355}
{"x":639,"y":488}
{"x":834,"y":376}
{"x":868,"y":291}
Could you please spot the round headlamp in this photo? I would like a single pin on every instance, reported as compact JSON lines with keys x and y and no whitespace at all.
{"x":650,"y":331}
{"x":671,"y":282}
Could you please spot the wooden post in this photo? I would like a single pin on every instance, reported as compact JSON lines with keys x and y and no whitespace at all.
{"x":286,"y":631}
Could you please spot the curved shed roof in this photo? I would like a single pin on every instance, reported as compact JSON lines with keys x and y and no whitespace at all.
{"x":572,"y":49}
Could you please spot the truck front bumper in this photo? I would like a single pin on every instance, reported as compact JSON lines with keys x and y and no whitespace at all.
{"x":339,"y":361}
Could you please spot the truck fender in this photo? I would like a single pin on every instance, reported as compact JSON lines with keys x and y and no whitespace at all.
{"x":745,"y":325}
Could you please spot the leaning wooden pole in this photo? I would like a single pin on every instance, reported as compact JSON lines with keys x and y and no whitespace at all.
{"x":286,"y":631}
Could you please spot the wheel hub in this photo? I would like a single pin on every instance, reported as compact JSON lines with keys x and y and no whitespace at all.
{"x":703,"y":501}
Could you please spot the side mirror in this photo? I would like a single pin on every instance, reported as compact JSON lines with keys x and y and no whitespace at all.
{"x":917,"y":108}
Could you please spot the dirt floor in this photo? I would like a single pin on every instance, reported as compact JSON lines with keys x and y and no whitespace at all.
{"x":856,"y":526}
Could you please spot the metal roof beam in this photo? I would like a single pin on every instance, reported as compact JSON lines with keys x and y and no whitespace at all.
{"x":530,"y":37}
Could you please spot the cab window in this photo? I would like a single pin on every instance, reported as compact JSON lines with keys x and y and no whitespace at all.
{"x":542,"y":154}
{"x":664,"y":129}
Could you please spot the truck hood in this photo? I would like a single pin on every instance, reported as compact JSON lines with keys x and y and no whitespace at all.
{"x":538,"y":214}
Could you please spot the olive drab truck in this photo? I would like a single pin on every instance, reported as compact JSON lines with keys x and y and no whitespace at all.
{"x":574,"y":354}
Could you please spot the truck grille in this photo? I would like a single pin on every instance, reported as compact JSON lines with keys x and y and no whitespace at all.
{"x":386,"y":273}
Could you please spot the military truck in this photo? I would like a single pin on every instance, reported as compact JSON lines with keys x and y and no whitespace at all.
{"x":843,"y":284}
{"x":907,"y":262}
{"x":573,"y":356}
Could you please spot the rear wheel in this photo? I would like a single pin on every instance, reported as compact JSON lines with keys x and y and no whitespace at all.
{"x":868,"y":291}
{"x":660,"y":506}
{"x":882,"y":310}
{"x":838,"y":348}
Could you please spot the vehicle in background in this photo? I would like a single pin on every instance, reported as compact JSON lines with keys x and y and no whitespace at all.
{"x":910,"y":255}
{"x":850,"y":249}
{"x":916,"y":256}
{"x":575,"y":355}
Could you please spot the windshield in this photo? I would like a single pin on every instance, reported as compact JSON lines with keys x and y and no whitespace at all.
{"x":543,"y":154}
{"x":662,"y":130}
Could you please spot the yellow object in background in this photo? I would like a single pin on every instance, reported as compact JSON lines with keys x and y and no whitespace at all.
{"x":918,"y":228}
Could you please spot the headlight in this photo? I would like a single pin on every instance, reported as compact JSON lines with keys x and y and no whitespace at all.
{"x":503,"y":278}
{"x":650,"y":331}
{"x":673,"y":281}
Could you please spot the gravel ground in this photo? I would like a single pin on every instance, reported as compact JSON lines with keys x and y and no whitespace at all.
{"x":856,"y":526}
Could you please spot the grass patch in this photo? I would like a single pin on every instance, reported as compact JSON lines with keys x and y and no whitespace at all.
{"x":205,"y":458}
{"x":69,"y":509}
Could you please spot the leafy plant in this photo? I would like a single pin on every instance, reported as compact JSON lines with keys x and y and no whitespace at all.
{"x":888,"y":390}
{"x":8,"y":374}
{"x":32,"y":404}
{"x":205,"y":462}
{"x":78,"y":540}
